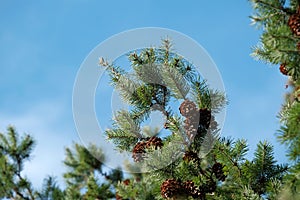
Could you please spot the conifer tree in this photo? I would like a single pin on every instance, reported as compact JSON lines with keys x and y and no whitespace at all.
{"x":81,"y":164}
{"x":82,"y":177}
{"x":178,"y":162}
{"x":14,"y":152}
{"x":95,"y":191}
{"x":85,"y":168}
{"x":280,"y":46}
{"x":190,"y":170}
{"x":50,"y":190}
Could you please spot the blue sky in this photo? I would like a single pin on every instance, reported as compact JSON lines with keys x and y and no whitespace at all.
{"x":43,"y":43}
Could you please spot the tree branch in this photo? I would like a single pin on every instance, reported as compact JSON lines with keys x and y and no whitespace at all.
{"x":285,"y":10}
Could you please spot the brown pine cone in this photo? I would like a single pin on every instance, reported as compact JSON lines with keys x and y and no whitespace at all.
{"x":126,"y":182}
{"x":155,"y":142}
{"x":283,"y":69}
{"x":213,"y":123}
{"x":138,"y":152}
{"x":294,"y":24}
{"x":217,"y":169}
{"x":190,"y":127}
{"x":205,"y":117}
{"x":171,"y":188}
{"x":187,"y":108}
{"x":191,"y":189}
{"x":210,"y":187}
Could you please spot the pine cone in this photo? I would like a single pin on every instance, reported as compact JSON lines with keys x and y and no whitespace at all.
{"x":213,"y":123}
{"x":210,"y":187}
{"x":205,"y":117}
{"x":217,"y":169}
{"x":191,"y":127}
{"x":138,"y":152}
{"x":187,"y":108}
{"x":190,"y":156}
{"x":294,"y":24}
{"x":155,"y":142}
{"x":191,"y":189}
{"x":126,"y":182}
{"x":171,"y":188}
{"x":283,"y":69}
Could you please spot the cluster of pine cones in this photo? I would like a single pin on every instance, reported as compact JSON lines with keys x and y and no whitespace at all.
{"x":196,"y":120}
{"x":172,"y":188}
{"x":139,"y":150}
{"x":294,"y":24}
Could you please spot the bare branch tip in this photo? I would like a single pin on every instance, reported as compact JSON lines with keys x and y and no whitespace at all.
{"x":103,"y":62}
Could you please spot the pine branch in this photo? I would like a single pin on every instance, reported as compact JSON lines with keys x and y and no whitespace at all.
{"x":290,"y":131}
{"x":140,"y":113}
{"x":124,"y":121}
{"x":233,"y":163}
{"x":27,"y":186}
{"x":19,"y":194}
{"x":218,"y":101}
{"x":127,"y":88}
{"x":293,"y":51}
{"x":249,"y":194}
{"x":278,"y":8}
{"x":124,"y":141}
{"x":82,"y":162}
{"x":240,"y":150}
{"x":174,"y":124}
{"x":175,"y":82}
{"x":264,"y":158}
{"x":278,"y":36}
{"x":149,"y":73}
{"x":294,"y":4}
{"x":255,"y":19}
{"x":15,"y":150}
{"x":170,"y":152}
{"x":165,"y":51}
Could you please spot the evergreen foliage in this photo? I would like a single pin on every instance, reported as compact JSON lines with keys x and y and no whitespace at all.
{"x":280,"y":45}
{"x":82,"y":163}
{"x":177,"y":162}
{"x":82,"y":177}
{"x":85,"y":167}
{"x":14,"y":151}
{"x":50,"y":190}
{"x":97,"y":191}
{"x":191,"y":169}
